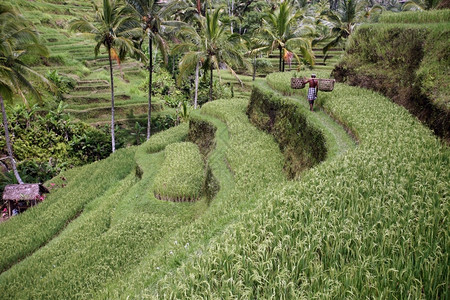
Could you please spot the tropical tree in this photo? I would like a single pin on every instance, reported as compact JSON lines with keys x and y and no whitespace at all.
{"x":420,"y":4}
{"x":153,"y":15}
{"x":209,"y":47}
{"x":17,"y":39}
{"x":115,"y":28}
{"x":345,"y":19}
{"x":286,"y":34}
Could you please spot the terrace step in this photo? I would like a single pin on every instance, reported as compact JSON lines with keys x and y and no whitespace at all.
{"x":94,"y":81}
{"x":84,"y":88}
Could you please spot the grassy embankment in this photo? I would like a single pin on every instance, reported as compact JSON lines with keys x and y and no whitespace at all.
{"x":406,"y":57}
{"x":369,"y":222}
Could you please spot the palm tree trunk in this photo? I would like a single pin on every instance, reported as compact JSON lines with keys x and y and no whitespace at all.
{"x":254,"y":68}
{"x":279,"y":65}
{"x":211,"y":85}
{"x":113,"y":140}
{"x":197,"y":67}
{"x":150,"y":79}
{"x":199,"y":8}
{"x":8,"y":142}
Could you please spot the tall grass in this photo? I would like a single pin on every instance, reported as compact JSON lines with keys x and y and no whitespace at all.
{"x":369,"y":224}
{"x":420,"y":17}
{"x":110,"y":236}
{"x":182,"y":175}
{"x":67,"y":199}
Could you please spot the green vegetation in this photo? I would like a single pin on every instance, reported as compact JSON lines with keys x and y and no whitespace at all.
{"x":411,"y":17}
{"x":182,"y":175}
{"x":294,"y":211}
{"x":70,"y":194}
{"x":47,"y":144}
{"x":302,"y":144}
{"x":406,"y":62}
{"x":351,"y":228}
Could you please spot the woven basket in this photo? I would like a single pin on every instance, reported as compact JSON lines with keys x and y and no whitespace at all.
{"x":297,"y":83}
{"x":326,"y":85}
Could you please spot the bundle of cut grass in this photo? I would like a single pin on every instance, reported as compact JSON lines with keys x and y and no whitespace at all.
{"x":182,"y":175}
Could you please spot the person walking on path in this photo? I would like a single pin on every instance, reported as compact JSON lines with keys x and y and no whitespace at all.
{"x":312,"y":91}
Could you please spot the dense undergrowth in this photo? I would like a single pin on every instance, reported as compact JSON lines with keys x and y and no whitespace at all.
{"x":406,"y":58}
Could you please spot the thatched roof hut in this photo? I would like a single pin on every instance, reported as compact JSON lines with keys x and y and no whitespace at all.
{"x":23,"y":192}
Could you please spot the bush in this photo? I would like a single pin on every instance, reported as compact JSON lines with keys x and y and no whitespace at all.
{"x":46,"y":143}
{"x":263,"y":65}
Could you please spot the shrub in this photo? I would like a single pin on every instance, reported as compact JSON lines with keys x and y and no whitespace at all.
{"x":263,"y":65}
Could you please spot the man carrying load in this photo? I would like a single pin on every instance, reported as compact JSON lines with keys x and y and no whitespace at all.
{"x":312,"y":91}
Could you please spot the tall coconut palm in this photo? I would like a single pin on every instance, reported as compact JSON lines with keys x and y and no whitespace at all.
{"x":154,"y":14}
{"x":114,"y":28}
{"x":16,"y":39}
{"x":286,"y":34}
{"x":345,"y":19}
{"x":209,"y":47}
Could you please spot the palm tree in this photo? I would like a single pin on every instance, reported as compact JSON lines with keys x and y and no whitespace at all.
{"x":348,"y":16}
{"x":16,"y":40}
{"x":285,"y":35}
{"x":209,"y":47}
{"x":114,"y":28}
{"x":153,"y":14}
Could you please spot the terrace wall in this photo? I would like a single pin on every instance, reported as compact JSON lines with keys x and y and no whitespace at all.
{"x":302,"y":144}
{"x":409,"y":63}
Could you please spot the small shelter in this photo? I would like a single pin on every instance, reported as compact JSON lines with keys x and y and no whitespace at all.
{"x":23,"y":195}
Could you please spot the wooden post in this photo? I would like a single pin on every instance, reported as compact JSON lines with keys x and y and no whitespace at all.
{"x":9,"y":208}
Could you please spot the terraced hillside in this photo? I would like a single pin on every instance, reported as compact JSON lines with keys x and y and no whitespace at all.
{"x":72,"y":56}
{"x":367,"y":218}
{"x":369,"y":221}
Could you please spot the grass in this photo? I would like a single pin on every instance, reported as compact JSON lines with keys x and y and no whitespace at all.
{"x":182,"y":174}
{"x":417,"y":17}
{"x":370,"y":222}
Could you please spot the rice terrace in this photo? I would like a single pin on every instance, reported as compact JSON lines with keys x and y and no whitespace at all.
{"x":225,"y":149}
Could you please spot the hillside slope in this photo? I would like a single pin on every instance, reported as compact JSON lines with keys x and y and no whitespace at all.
{"x":407,"y":58}
{"x":370,"y":221}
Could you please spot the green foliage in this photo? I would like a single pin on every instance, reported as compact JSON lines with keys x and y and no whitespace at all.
{"x":160,"y":140}
{"x":306,"y":237}
{"x":46,"y":143}
{"x":302,"y":144}
{"x":219,"y":91}
{"x":40,"y":224}
{"x":263,"y":65}
{"x":406,"y":62}
{"x":418,"y":17}
{"x":63,"y":83}
{"x":182,"y":175}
